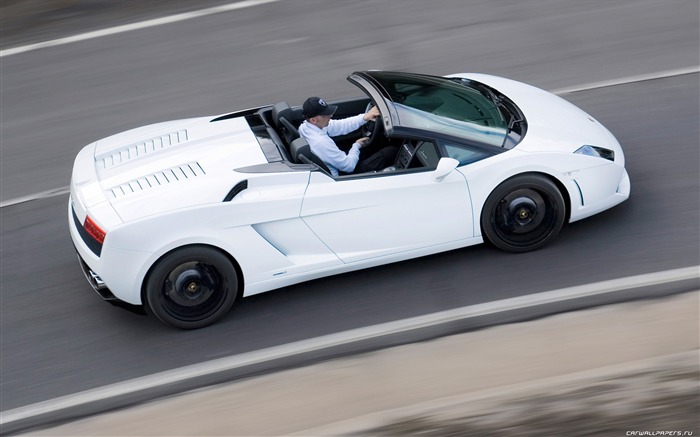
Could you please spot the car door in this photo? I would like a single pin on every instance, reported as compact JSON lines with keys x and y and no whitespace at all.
{"x":379,"y":215}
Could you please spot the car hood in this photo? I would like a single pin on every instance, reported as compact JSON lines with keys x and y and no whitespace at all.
{"x":172,"y":165}
{"x":554,"y":125}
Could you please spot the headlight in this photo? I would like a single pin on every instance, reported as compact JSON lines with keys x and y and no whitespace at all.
{"x":596,"y":151}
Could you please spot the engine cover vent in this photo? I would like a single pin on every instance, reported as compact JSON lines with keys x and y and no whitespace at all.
{"x":157,"y":179}
{"x":133,"y":151}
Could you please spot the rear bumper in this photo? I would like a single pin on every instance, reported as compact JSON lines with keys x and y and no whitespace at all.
{"x":115,"y":274}
{"x":87,"y":249}
{"x":95,"y":281}
{"x":101,"y":289}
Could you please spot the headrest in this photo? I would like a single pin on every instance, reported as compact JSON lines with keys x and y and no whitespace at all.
{"x":299,"y":147}
{"x":281,"y":109}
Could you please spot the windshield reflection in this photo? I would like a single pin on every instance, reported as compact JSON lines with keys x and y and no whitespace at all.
{"x":415,"y":118}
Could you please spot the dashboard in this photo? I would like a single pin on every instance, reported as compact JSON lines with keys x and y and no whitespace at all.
{"x":417,"y":153}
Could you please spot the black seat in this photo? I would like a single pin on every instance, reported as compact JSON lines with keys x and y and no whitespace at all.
{"x":280,"y":109}
{"x":301,"y":154}
{"x":282,"y":116}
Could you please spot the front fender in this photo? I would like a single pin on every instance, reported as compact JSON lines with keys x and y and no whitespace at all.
{"x":484,"y":176}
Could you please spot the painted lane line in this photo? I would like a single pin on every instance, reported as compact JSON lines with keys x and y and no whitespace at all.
{"x":560,"y":91}
{"x":333,"y":340}
{"x":628,"y":79}
{"x":36,"y":196}
{"x":135,"y":26}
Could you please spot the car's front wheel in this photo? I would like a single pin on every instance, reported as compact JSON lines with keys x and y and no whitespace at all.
{"x":191,"y":287}
{"x":523,"y":214}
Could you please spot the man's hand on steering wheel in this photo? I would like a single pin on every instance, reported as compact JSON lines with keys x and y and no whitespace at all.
{"x":371,"y":128}
{"x":371,"y":114}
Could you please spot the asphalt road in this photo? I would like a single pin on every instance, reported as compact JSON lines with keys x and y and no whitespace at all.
{"x":57,"y":337}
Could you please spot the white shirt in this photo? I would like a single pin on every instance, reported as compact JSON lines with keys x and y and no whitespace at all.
{"x":325,"y":148}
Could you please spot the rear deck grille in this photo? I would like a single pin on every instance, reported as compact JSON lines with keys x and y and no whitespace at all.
{"x":132,"y":151}
{"x":163,"y":177}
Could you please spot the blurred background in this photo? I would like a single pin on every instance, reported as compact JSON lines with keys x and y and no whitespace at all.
{"x":287,"y":50}
{"x":57,"y":338}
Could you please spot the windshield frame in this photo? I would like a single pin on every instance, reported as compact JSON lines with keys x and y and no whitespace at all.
{"x":459,"y":107}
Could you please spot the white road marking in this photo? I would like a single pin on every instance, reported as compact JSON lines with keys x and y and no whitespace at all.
{"x":628,"y":79}
{"x":319,"y":343}
{"x":281,"y":42}
{"x":135,"y":26}
{"x":36,"y":196}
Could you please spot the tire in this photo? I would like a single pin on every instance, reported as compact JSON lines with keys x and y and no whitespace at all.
{"x":523,"y":214}
{"x":191,"y":287}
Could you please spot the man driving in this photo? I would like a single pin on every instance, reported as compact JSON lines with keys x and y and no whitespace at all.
{"x":318,"y":128}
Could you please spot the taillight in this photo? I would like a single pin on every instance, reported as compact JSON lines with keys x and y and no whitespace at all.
{"x":94,"y":230}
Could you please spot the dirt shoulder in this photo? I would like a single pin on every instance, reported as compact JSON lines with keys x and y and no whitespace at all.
{"x":631,"y":367}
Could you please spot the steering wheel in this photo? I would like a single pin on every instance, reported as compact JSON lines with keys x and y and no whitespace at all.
{"x":371,"y":128}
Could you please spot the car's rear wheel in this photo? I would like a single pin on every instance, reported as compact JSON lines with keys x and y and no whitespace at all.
{"x":191,"y":287}
{"x":523,"y":214}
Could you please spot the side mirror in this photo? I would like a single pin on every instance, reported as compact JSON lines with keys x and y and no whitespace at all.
{"x":444,"y":167}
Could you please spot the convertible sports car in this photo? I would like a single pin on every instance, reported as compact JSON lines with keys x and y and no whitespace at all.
{"x":185,"y":217}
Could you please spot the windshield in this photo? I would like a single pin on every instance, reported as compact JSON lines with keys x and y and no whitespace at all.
{"x":435,"y":103}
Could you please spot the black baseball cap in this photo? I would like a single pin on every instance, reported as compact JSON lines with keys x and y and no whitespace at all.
{"x":314,"y":106}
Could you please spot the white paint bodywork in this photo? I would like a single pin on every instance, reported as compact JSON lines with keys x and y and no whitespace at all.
{"x":161,"y":187}
{"x":556,"y":129}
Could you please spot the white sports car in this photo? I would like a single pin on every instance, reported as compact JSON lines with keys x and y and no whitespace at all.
{"x":184,"y":217}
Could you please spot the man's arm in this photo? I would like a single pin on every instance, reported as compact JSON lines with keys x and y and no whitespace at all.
{"x":345,"y":125}
{"x":329,"y":153}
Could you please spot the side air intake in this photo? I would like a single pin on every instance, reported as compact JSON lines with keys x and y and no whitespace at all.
{"x":242,"y":185}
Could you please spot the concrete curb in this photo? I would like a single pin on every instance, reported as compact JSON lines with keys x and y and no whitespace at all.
{"x":347,"y":343}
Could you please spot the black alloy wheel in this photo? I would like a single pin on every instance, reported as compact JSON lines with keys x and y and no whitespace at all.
{"x":191,"y":287}
{"x":523,"y":214}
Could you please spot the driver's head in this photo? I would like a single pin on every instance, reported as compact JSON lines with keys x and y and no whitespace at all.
{"x":318,"y":112}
